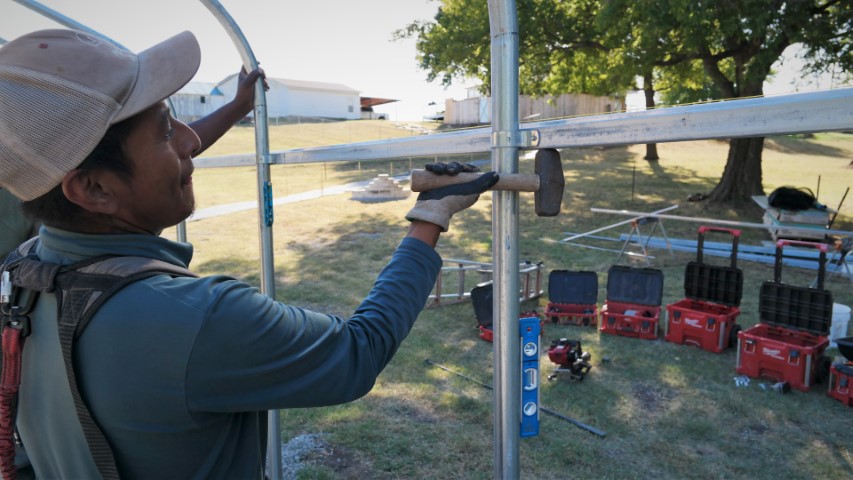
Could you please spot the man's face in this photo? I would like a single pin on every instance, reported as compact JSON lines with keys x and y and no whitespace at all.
{"x":160,"y":191}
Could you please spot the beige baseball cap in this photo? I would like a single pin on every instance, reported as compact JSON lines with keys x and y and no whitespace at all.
{"x":60,"y":90}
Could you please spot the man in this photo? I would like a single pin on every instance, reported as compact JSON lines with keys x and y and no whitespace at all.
{"x":177,"y":372}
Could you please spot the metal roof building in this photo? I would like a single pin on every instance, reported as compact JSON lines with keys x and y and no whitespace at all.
{"x":197,"y":99}
{"x":300,"y":98}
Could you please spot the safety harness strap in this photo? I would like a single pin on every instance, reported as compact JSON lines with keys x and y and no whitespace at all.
{"x":80,"y":289}
{"x":11,"y":381}
{"x":14,"y":328}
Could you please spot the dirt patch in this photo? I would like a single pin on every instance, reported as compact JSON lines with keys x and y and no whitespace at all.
{"x":754,"y":430}
{"x":313,"y":450}
{"x":345,"y":463}
{"x":652,"y":398}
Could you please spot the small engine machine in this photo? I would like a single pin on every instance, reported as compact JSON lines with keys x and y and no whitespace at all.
{"x":570,"y":358}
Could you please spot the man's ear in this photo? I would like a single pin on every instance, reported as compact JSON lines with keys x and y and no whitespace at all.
{"x":89,"y":190}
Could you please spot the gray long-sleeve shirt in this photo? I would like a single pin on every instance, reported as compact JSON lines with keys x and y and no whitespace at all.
{"x":179,"y":372}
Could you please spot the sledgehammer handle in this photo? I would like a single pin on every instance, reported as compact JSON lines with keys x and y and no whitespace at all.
{"x":423,"y":181}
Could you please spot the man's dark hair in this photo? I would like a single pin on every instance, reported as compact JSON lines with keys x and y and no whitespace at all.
{"x":54,"y":209}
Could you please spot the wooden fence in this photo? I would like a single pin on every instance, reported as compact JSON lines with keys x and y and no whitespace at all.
{"x":475,"y":111}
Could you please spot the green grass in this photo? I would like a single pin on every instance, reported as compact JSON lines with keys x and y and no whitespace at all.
{"x":670,"y":411}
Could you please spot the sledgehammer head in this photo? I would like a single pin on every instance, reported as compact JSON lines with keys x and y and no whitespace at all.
{"x":549,"y":197}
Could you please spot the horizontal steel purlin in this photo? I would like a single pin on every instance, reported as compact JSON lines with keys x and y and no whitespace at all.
{"x":811,"y":112}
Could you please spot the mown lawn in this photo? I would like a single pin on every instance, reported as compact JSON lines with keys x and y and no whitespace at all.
{"x":670,"y":411}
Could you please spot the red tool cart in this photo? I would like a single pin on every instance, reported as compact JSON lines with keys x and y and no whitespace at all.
{"x":632,"y":306}
{"x":572,"y":297}
{"x":787,"y":344}
{"x":481,"y":299}
{"x":706,"y":317}
{"x":841,"y":374}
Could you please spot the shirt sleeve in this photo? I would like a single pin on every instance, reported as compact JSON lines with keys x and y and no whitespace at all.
{"x":253,"y":353}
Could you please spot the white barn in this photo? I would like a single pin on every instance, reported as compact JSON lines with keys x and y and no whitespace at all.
{"x":298,"y":98}
{"x":196,"y":100}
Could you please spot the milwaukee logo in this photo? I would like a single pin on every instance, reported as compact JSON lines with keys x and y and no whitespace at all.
{"x":693,"y":322}
{"x":772,"y":352}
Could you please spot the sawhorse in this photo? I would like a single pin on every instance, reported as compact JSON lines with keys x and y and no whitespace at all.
{"x":842,"y":248}
{"x":635,"y":228}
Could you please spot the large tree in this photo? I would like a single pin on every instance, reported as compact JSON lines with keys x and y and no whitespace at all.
{"x":599,"y":46}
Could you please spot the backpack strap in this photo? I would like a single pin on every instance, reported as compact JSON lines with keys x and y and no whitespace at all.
{"x":81,"y":289}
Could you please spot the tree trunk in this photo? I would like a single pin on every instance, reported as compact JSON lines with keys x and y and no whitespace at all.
{"x":649,"y":90}
{"x":742,"y":176}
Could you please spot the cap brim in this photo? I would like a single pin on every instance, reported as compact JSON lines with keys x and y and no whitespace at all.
{"x":163,"y":70}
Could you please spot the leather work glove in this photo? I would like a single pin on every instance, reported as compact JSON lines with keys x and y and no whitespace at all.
{"x":438,"y":205}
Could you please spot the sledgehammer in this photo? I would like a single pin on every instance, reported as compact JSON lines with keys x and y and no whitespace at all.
{"x":547,"y":182}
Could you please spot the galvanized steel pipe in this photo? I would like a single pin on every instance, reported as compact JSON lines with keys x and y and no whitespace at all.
{"x":265,"y":204}
{"x":503,"y":26}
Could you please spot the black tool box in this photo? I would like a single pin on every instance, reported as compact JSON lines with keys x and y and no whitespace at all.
{"x":481,"y":299}
{"x":707,"y":316}
{"x":788,"y":343}
{"x":633,"y":303}
{"x":572,"y":297}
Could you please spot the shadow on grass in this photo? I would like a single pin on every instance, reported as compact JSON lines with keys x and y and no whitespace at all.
{"x":797,"y":144}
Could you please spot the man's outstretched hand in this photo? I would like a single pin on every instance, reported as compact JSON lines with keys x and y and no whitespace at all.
{"x":438,"y":205}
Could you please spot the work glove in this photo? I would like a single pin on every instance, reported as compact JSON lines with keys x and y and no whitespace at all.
{"x":438,"y":205}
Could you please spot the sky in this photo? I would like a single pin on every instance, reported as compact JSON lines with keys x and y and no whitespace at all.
{"x":334,"y":41}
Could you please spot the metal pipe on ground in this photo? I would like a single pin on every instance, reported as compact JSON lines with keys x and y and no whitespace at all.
{"x":543,"y":409}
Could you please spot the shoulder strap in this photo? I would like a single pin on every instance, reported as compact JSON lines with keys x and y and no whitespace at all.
{"x":84,"y":287}
{"x":81,"y":289}
{"x":80,"y":292}
{"x":23,"y":250}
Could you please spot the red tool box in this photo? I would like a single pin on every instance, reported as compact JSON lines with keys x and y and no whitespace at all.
{"x":841,"y":374}
{"x":707,"y":317}
{"x":632,"y":306}
{"x":788,"y":343}
{"x":572,"y":297}
{"x":481,"y":299}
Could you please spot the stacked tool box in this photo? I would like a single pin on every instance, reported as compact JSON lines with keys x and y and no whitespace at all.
{"x":841,"y":374}
{"x":707,"y":317}
{"x":572,"y":297}
{"x":805,"y":224}
{"x":788,"y":343}
{"x":633,"y":303}
{"x":481,"y":299}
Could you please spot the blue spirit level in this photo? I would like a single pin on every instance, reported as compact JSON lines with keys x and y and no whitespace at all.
{"x":529,"y":333}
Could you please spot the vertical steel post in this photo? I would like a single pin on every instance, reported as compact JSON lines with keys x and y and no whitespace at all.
{"x":505,"y":134}
{"x":265,"y":204}
{"x":181,"y":231}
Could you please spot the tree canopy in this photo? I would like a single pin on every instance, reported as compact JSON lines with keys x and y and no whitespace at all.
{"x":690,"y":49}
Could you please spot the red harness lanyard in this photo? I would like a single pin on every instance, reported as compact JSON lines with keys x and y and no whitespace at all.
{"x":11,"y":381}
{"x":14,"y":328}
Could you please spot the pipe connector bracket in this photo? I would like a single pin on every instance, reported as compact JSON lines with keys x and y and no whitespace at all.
{"x":517,"y":139}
